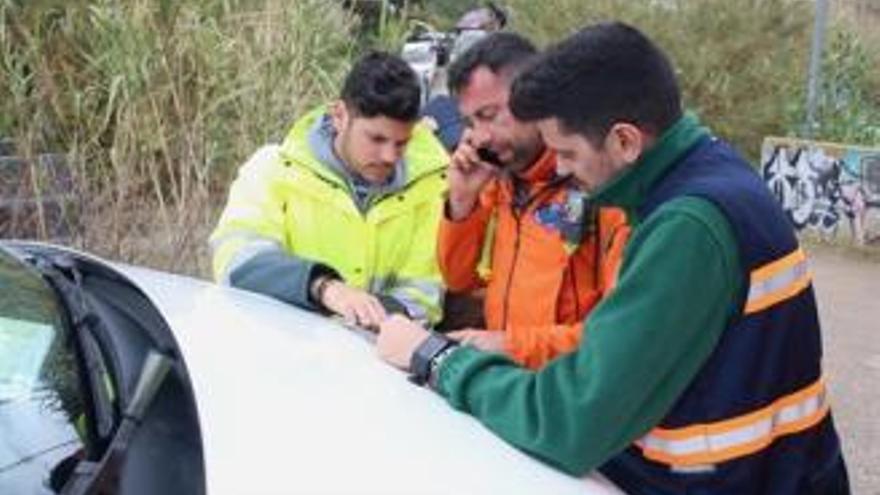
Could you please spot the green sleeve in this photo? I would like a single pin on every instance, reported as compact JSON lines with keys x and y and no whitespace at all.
{"x":679,"y":284}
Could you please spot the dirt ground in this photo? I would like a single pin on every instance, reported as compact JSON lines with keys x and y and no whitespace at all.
{"x":848,"y":288}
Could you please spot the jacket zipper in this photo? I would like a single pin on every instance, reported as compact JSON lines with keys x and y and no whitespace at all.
{"x":518,"y":210}
{"x":516,"y":243}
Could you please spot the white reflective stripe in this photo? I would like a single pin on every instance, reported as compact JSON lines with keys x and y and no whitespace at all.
{"x":796,"y":412}
{"x":217,"y":241}
{"x":417,"y":296}
{"x":676,"y":447}
{"x":242,"y":210}
{"x":428,"y":290}
{"x":779,"y":281}
{"x":431,"y":292}
{"x":763,"y":429}
{"x":247,"y":252}
{"x":414,"y":309}
{"x":695,"y":469}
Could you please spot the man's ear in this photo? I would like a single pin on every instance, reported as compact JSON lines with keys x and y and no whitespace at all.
{"x":339,"y":116}
{"x":626,"y":142}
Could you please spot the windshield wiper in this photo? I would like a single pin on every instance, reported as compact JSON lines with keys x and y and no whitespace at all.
{"x":63,"y":274}
{"x":64,"y":277}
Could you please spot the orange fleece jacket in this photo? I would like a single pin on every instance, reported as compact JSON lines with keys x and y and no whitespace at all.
{"x":540,"y":286}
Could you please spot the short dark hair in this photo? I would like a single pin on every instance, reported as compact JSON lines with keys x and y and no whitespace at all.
{"x":380,"y":83}
{"x":498,"y":52}
{"x":603,"y":74}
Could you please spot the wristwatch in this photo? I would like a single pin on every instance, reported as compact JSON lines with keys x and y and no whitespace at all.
{"x":436,"y":363}
{"x":426,"y":352}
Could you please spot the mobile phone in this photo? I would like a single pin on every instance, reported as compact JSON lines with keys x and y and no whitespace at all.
{"x":489,"y":156}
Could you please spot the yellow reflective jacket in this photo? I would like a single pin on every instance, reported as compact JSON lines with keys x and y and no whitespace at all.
{"x":285,"y":199}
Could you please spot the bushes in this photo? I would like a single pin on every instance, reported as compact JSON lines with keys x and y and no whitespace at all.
{"x":739,"y":62}
{"x":849,"y":104}
{"x":742,"y":63}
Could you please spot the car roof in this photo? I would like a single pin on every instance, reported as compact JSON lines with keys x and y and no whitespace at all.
{"x":292,"y":401}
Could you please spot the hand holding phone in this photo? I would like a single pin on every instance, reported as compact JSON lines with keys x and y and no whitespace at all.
{"x":490,"y":157}
{"x":470,"y":169}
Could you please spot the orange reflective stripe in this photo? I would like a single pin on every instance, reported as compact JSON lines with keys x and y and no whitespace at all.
{"x":777,"y":281}
{"x":740,"y":436}
{"x":725,"y":426}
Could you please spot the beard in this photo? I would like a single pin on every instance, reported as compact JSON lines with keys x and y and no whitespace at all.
{"x":524,"y":156}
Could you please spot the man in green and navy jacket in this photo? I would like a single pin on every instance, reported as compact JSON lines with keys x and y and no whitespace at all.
{"x":343,"y":216}
{"x":700,"y":373}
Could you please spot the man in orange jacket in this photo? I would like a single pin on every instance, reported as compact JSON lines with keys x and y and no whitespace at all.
{"x":551,"y":256}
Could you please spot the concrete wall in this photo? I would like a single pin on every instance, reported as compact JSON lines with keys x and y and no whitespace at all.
{"x":828,"y":189}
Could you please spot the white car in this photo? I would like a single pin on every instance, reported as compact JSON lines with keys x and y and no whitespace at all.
{"x":117,"y":379}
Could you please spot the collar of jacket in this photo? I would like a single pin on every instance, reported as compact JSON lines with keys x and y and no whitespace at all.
{"x":629,"y":189}
{"x":542,"y":170}
{"x":424,"y":153}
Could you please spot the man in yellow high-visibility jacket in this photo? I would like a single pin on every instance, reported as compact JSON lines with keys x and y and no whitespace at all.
{"x":342,"y":216}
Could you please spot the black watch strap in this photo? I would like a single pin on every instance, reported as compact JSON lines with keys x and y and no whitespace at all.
{"x":420,"y":362}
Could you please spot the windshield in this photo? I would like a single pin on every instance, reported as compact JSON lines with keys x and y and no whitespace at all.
{"x":41,"y":402}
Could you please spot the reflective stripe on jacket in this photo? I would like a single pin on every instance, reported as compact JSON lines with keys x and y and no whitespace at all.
{"x":756,"y":417}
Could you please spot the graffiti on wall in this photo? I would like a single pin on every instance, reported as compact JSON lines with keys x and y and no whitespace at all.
{"x":830,"y":189}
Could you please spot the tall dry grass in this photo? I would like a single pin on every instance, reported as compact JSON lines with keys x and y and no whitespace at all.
{"x":155,"y":103}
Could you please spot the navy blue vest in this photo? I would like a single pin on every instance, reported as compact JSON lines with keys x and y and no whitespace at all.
{"x":755,"y":419}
